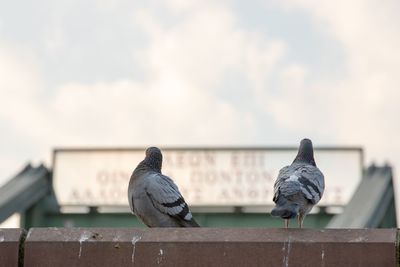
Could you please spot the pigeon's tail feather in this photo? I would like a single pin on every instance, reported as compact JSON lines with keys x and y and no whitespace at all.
{"x":191,"y":223}
{"x":285,"y":209}
{"x":283,"y":212}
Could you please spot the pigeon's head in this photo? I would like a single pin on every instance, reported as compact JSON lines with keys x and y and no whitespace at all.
{"x":153,"y":152}
{"x":154,"y":158}
{"x":306,"y":144}
{"x":305,"y":153}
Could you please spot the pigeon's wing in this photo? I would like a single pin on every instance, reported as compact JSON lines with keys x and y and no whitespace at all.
{"x":311,"y":182}
{"x":130,"y":194}
{"x":283,"y":175}
{"x":166,"y":197}
{"x":130,"y":199}
{"x":305,"y":178}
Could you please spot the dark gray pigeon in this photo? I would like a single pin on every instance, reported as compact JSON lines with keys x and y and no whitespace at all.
{"x":299,"y":186}
{"x":154,"y":197}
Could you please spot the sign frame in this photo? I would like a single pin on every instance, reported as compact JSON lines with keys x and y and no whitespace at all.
{"x":358,"y":150}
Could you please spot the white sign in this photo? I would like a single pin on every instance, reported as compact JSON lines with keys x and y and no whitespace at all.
{"x":205,"y":177}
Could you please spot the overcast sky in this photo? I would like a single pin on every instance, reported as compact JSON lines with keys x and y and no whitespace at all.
{"x":187,"y":72}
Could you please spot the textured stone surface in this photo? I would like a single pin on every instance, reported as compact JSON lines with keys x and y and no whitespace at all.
{"x":9,"y":246}
{"x":210,"y":247}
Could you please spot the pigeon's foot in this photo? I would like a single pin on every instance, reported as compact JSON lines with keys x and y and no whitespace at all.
{"x":286,"y":223}
{"x":300,"y":220}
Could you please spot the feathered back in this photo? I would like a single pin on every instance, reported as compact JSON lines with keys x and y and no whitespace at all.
{"x":154,"y":197}
{"x":301,"y":176}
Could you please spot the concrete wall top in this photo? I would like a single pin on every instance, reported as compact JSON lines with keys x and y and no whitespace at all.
{"x":210,"y":247}
{"x":9,"y":246}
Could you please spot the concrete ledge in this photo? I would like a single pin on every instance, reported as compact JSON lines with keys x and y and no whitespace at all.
{"x":209,"y":247}
{"x":10,"y":246}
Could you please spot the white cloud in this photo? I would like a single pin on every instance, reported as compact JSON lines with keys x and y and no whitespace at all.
{"x":205,"y":44}
{"x":184,"y":65}
{"x":20,"y":85}
{"x":177,"y":101}
{"x":362,"y":105}
{"x":163,"y":111}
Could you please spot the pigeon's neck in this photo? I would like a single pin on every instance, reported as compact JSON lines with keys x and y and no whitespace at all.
{"x":304,"y":157}
{"x":152,"y":164}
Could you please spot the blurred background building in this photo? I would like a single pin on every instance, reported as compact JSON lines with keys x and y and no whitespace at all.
{"x":223,"y":186}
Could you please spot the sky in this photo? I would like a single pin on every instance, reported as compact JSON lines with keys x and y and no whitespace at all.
{"x":195,"y":73}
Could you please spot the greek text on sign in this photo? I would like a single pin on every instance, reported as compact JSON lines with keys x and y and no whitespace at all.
{"x":205,"y":177}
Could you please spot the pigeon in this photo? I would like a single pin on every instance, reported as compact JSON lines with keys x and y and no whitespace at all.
{"x":299,"y":186}
{"x":154,"y":198}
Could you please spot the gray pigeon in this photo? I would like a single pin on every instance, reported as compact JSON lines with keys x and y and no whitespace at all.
{"x":299,"y":186}
{"x":154,"y":197}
